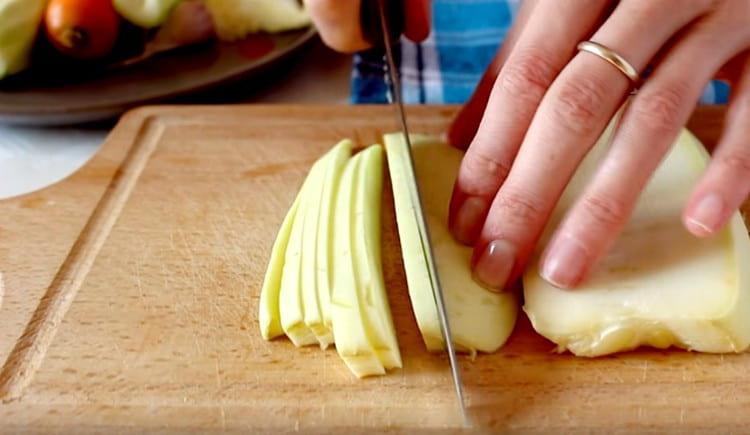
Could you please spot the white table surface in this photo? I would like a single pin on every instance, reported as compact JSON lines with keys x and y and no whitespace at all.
{"x":32,"y":158}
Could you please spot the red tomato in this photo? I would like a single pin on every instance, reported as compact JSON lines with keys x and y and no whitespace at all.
{"x":83,"y":29}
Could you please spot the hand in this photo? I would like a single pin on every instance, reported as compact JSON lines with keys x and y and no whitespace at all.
{"x":338,"y":22}
{"x":549,"y":104}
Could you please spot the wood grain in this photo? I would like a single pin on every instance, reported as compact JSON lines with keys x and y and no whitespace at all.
{"x":131,"y":295}
{"x":29,"y":351}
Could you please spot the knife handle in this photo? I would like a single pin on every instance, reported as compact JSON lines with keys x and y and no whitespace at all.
{"x":371,"y":24}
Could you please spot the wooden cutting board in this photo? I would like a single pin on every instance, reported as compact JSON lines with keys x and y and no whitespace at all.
{"x":131,"y":291}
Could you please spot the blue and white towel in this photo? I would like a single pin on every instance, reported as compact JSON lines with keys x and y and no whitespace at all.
{"x":447,"y":66}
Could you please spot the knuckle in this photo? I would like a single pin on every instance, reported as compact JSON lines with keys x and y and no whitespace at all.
{"x":731,"y":6}
{"x":710,"y":5}
{"x":527,"y":76}
{"x":579,"y":104}
{"x":650,"y":8}
{"x":605,"y":211}
{"x":485,"y":172}
{"x":520,"y":206}
{"x":644,"y":8}
{"x":737,"y":162}
{"x":661,"y":109}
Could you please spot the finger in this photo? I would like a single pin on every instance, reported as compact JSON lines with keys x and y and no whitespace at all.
{"x":543,"y":48}
{"x":726,"y":184}
{"x":571,"y":117}
{"x":417,"y":19}
{"x":338,"y":23}
{"x":649,"y":127}
{"x":465,"y":125}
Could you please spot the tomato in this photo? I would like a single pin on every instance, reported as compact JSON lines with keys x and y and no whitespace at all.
{"x":83,"y":29}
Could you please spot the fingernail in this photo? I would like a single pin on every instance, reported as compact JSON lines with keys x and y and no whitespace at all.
{"x":469,"y":220}
{"x":564,"y":262}
{"x":494,"y":266}
{"x":707,"y":215}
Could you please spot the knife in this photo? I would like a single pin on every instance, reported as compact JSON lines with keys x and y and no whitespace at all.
{"x":383,"y":20}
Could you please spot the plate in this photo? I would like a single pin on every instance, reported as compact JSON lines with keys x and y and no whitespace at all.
{"x":36,"y":102}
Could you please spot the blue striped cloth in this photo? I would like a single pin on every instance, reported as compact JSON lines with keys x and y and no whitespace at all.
{"x":447,"y":66}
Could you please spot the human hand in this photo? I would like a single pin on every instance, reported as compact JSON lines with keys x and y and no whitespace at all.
{"x":549,"y":104}
{"x":339,"y":24}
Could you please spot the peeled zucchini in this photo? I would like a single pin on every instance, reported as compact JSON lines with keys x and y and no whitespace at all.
{"x":312,"y":303}
{"x":293,"y":284}
{"x":659,"y":285}
{"x":480,"y":320}
{"x":353,"y":342}
{"x":268,"y":316}
{"x":369,"y":269}
{"x":325,"y":278}
{"x":335,"y":165}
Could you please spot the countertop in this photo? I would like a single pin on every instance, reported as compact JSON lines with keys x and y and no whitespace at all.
{"x":32,"y":158}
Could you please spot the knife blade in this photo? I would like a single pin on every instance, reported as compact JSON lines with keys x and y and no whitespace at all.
{"x":390,"y":33}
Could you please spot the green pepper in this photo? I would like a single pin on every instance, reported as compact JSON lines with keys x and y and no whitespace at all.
{"x":20,"y":23}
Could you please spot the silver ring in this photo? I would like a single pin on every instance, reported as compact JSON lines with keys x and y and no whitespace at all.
{"x":610,"y":56}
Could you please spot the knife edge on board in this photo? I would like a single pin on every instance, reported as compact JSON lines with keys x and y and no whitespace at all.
{"x":382,"y":23}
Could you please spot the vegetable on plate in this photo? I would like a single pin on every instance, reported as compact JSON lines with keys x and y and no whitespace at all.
{"x":20,"y":23}
{"x":82,"y":29}
{"x":235,"y":19}
{"x":145,"y":13}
